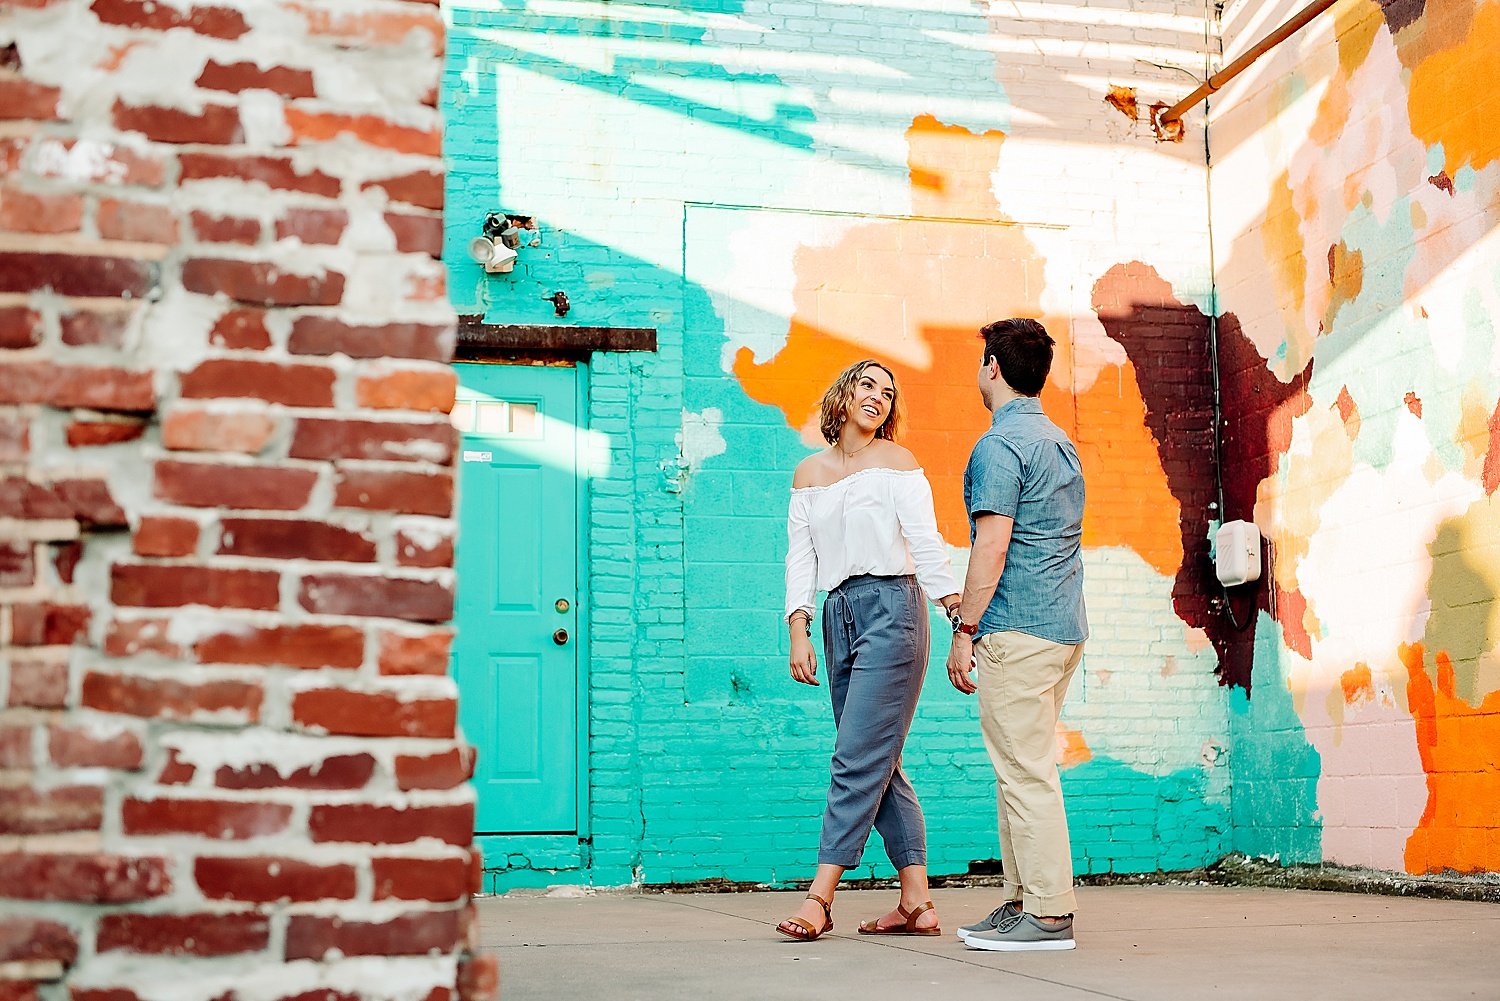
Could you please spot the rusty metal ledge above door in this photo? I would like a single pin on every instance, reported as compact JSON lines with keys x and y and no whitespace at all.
{"x":485,"y":341}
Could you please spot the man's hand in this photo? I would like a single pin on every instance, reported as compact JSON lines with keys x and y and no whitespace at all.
{"x":961,"y":662}
{"x":804,"y":661}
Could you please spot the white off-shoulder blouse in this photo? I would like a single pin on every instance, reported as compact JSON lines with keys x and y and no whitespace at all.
{"x":875,"y":521}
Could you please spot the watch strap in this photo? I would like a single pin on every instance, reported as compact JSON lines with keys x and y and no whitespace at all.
{"x":960,"y":626}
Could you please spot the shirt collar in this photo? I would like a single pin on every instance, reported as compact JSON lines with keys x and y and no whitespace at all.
{"x":1020,"y":405}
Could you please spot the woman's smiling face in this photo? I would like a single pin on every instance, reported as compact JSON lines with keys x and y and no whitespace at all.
{"x":874,"y":395}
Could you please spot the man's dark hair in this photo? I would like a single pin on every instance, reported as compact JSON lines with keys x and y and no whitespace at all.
{"x":1024,"y":350}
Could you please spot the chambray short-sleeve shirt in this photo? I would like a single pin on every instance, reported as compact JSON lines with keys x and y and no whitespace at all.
{"x":1024,"y":467}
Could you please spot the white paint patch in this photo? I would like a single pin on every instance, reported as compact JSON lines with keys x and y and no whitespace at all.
{"x":85,"y":161}
{"x":1366,"y":569}
{"x":1126,"y":707}
{"x":426,"y":535}
{"x":700,"y":439}
{"x":569,"y":892}
{"x":261,"y":114}
{"x":420,"y":448}
{"x":285,"y":752}
{"x":190,"y":318}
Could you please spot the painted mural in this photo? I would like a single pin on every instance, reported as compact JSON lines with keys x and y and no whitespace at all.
{"x":1374,"y":144}
{"x":778,"y":193}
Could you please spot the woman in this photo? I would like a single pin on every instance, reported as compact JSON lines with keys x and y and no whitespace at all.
{"x":860,"y":521}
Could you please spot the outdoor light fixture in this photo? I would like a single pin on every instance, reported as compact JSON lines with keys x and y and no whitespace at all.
{"x":495,"y":256}
{"x":496,"y":249}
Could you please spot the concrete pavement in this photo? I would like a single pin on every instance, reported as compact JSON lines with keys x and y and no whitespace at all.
{"x":1135,"y":943}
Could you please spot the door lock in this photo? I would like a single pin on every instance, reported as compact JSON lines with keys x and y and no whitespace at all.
{"x":560,"y":637}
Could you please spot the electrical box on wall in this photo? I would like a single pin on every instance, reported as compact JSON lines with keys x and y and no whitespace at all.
{"x":1237,"y":553}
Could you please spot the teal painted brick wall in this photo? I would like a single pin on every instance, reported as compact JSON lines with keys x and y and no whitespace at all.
{"x":681,"y":161}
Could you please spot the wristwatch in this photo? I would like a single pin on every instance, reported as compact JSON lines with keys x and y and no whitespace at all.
{"x":960,"y":626}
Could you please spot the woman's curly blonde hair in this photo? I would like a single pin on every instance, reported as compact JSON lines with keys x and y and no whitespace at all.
{"x":834,"y":409}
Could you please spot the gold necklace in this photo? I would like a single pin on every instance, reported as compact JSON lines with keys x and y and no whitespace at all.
{"x":850,"y":455}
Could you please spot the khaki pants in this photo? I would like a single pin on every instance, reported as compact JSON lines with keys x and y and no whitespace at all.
{"x":1022,"y":681}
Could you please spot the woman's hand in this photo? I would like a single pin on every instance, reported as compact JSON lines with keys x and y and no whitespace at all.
{"x":804,"y":661}
{"x":961,"y":662}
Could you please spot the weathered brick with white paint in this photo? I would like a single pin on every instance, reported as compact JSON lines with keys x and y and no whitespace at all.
{"x":224,"y":323}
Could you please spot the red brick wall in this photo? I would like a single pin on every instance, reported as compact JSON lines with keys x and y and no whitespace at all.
{"x":228,"y":758}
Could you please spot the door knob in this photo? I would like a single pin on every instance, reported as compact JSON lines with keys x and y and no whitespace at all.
{"x":560,"y":637}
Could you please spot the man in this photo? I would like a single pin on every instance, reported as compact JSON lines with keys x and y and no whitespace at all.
{"x":1021,"y":622}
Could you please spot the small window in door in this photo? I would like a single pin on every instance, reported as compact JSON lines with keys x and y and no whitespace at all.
{"x":497,"y":418}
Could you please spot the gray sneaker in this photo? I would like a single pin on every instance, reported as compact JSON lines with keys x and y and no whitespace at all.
{"x":1024,"y":933}
{"x":1009,"y":909}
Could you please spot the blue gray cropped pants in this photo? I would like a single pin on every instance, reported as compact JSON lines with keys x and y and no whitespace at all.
{"x":875,"y":645}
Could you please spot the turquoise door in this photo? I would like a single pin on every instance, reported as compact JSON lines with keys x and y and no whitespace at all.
{"x":516,"y":655}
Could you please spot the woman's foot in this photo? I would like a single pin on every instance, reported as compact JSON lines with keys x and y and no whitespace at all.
{"x":810,"y":921}
{"x":896,"y":920}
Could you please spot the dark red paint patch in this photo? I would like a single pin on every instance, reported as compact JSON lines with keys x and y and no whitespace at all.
{"x":1168,"y":344}
{"x":1400,"y":13}
{"x":1442,"y":182}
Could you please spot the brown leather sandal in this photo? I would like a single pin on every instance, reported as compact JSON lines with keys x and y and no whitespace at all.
{"x":800,"y":931}
{"x":910,"y":928}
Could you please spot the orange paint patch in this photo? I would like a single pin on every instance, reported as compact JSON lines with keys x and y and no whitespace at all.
{"x":371,"y":28}
{"x":1414,"y":403}
{"x":957,"y":164}
{"x":1448,"y":102}
{"x":321,"y":126}
{"x":1072,"y":750}
{"x":942,"y":419}
{"x":1294,"y":615}
{"x":1358,"y":685}
{"x":914,"y":293}
{"x":1333,"y":112}
{"x":1348,"y":412}
{"x":1281,"y":236}
{"x":1130,"y":503}
{"x":1355,"y":26}
{"x":1123,"y":100}
{"x":116,"y":57}
{"x":1459,"y":745}
{"x":1346,"y":276}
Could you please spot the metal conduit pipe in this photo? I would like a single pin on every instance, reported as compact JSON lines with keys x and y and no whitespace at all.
{"x":1234,"y":69}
